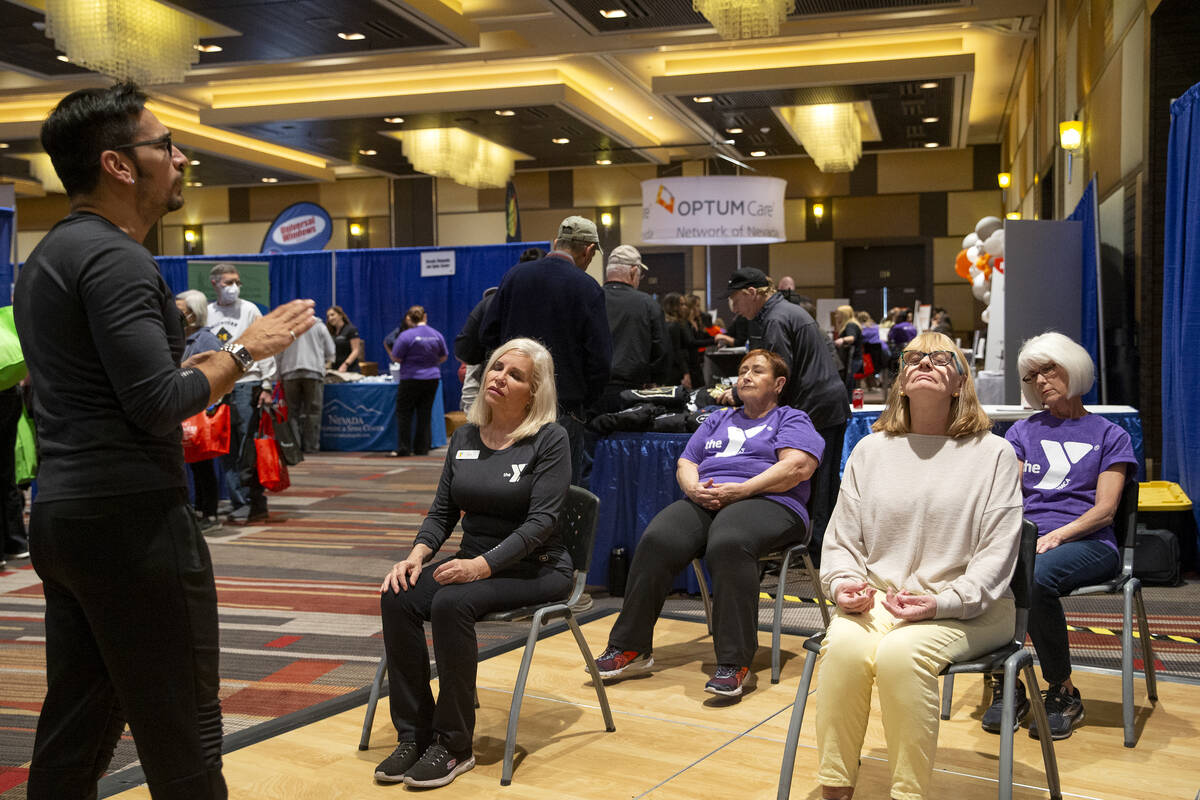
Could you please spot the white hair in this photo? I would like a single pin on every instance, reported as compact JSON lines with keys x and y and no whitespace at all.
{"x":1055,"y":348}
{"x":543,"y":405}
{"x":196,"y":303}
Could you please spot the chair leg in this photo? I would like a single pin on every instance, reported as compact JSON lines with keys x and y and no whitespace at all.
{"x":364,"y":741}
{"x":704,"y":595}
{"x":514,"y":710}
{"x":1147,"y":642}
{"x":1007,"y":718}
{"x":777,"y":622}
{"x":1127,"y":706}
{"x":816,"y":582}
{"x":947,"y":695}
{"x":1043,"y":723}
{"x":793,"y":734}
{"x":601,"y":694}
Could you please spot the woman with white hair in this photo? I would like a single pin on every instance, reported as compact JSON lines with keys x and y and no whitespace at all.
{"x":193,"y":308}
{"x":1074,"y":468}
{"x":508,"y":469}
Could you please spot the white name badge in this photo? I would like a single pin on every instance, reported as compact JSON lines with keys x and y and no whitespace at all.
{"x":467,"y":455}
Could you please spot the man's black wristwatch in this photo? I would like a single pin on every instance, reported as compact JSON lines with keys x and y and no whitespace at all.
{"x":241,"y":355}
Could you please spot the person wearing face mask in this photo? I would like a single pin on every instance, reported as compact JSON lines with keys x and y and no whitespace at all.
{"x":228,"y":317}
{"x":193,"y":308}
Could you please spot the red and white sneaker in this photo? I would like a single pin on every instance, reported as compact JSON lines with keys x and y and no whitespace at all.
{"x":614,"y":661}
{"x":727,"y":680}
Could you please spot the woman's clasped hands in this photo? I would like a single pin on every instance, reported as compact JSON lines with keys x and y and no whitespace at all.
{"x":855,"y":597}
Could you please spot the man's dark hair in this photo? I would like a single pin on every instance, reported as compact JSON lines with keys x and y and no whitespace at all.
{"x":532,"y":254}
{"x":83,"y":125}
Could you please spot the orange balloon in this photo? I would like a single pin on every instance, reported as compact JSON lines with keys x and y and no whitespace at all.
{"x":984,"y":265}
{"x":962,"y":265}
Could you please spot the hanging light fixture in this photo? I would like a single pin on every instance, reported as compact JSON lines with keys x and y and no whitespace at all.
{"x":461,"y":156}
{"x":745,"y":19}
{"x":831,"y":133}
{"x":138,"y":40}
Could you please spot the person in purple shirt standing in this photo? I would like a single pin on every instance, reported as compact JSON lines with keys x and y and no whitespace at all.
{"x":419,"y":350}
{"x":745,"y":472}
{"x":1074,"y":468}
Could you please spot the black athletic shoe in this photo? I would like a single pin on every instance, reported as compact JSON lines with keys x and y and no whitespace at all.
{"x":437,"y":768}
{"x":992,"y":717}
{"x":1064,"y":711}
{"x":392,"y":768}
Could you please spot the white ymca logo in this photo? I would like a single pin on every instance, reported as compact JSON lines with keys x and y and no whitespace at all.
{"x":517,"y":469}
{"x":1061,"y":457}
{"x":737,"y":438}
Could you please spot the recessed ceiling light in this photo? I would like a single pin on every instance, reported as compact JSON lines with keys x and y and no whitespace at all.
{"x":351,"y":36}
{"x":733,"y":130}
{"x":603,"y":162}
{"x":613,"y":13}
{"x":505,"y":112}
{"x":929,"y":85}
{"x":194,"y":183}
{"x":63,"y":58}
{"x":651,"y":116}
{"x":561,"y":140}
{"x":765,"y":129}
{"x":758,"y":153}
{"x":929,"y":119}
{"x":731,"y":141}
{"x":270,"y":180}
{"x":195,"y":162}
{"x":4,"y":145}
{"x":931,"y":144}
{"x":612,"y":88}
{"x":393,"y":120}
{"x":208,"y":48}
{"x":702,"y":99}
{"x":368,"y":152}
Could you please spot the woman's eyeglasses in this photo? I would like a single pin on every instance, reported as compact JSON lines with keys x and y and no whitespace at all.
{"x":1045,"y":372}
{"x":939,"y":358}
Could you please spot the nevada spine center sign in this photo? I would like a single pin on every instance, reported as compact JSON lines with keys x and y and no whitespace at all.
{"x":719,"y":209}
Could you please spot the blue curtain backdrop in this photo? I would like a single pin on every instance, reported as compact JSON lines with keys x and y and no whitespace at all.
{"x":376,"y":288}
{"x":1181,"y":294}
{"x":1089,"y":321}
{"x":6,"y":267}
{"x":308,"y":275}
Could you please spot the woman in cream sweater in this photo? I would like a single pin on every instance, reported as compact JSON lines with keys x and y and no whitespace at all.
{"x":918,"y":557}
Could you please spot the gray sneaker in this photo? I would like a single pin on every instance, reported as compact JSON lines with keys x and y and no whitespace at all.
{"x":994,"y":714}
{"x":1064,"y":711}
{"x":437,"y":768}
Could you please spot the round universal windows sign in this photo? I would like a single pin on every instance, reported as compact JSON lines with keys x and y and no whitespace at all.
{"x":718,"y":209}
{"x":303,"y":226}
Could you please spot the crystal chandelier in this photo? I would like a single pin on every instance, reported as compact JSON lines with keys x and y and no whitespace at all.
{"x":138,"y":40}
{"x":745,"y":19}
{"x":461,"y":156}
{"x":830,"y":133}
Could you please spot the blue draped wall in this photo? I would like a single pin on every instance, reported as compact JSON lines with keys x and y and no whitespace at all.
{"x":6,"y":267}
{"x":1181,"y":299}
{"x":1089,"y":320}
{"x":292,"y":275}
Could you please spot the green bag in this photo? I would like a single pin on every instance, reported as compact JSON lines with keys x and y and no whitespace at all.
{"x":12,"y":361}
{"x":26,"y":453}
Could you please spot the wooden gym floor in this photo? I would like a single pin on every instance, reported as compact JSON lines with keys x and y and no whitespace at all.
{"x":675,"y":741}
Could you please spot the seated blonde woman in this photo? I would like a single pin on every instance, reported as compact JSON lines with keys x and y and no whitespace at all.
{"x":918,"y":557}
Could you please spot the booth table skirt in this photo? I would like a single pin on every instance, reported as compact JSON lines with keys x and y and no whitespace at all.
{"x":633,"y":474}
{"x":362,"y":417}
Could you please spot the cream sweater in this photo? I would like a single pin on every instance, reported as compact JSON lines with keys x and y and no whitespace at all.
{"x":930,"y":515}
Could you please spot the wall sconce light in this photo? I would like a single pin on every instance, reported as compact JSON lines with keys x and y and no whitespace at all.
{"x":1013,"y":215}
{"x":193,"y":240}
{"x":606,"y":219}
{"x":357,"y":230}
{"x":1004,"y":179}
{"x":1070,"y":138}
{"x":818,"y":212}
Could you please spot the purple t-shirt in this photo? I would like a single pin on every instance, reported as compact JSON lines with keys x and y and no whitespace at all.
{"x":730,"y":448}
{"x":1063,"y":460}
{"x":419,"y":351}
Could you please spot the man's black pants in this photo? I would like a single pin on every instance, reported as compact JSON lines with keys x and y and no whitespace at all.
{"x":131,"y":636}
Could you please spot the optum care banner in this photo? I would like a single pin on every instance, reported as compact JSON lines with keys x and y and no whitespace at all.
{"x":720,"y":209}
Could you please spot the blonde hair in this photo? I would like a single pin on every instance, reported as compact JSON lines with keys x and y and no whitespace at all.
{"x":1063,"y":352}
{"x":841,"y":316}
{"x":967,"y":417}
{"x":543,"y":401}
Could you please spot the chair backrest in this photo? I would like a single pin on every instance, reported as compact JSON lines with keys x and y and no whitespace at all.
{"x":1022,"y":579}
{"x":577,"y":523}
{"x":1125,"y":525}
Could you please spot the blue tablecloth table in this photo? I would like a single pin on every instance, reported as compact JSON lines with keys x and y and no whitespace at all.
{"x":361,"y":416}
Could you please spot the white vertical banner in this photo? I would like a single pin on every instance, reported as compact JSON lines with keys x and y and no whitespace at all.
{"x":718,"y":209}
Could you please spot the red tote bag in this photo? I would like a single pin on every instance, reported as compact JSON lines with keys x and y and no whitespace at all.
{"x":272,"y":472}
{"x":206,"y":435}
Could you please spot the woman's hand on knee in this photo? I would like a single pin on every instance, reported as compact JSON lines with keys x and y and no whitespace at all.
{"x":854,"y":597}
{"x":462,"y":570}
{"x":910,"y":607}
{"x":402,"y":575}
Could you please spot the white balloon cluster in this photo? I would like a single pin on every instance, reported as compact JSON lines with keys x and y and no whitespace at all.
{"x":982,"y":253}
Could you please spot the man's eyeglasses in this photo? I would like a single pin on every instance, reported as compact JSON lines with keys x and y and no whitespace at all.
{"x":163,"y":141}
{"x":939,"y":358}
{"x":1045,"y":371}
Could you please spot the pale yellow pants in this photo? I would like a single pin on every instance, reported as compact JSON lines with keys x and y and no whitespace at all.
{"x":904,"y":659}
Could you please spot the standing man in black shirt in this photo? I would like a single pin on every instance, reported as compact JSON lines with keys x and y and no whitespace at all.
{"x":131,"y":607}
{"x":637,"y":326}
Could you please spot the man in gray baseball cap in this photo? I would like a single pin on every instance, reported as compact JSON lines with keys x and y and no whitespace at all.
{"x":637,"y":325}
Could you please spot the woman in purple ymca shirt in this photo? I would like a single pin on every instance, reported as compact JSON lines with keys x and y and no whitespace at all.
{"x":1074,"y":468}
{"x":419,"y":350}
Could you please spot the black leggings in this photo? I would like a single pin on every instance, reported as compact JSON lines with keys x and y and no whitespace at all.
{"x":453,"y":609}
{"x":731,"y":540}
{"x":414,"y":396}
